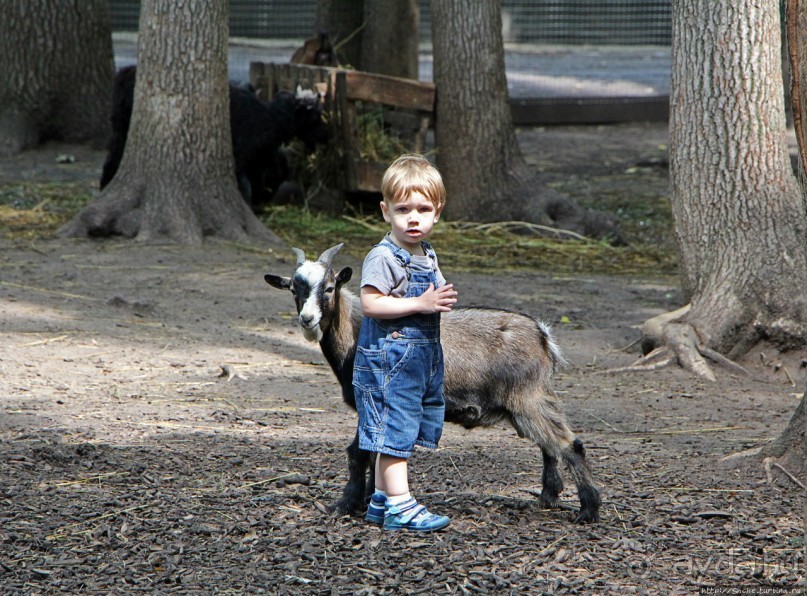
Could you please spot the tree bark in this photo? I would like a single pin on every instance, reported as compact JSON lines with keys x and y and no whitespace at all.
{"x":378,"y":36}
{"x":738,"y":212}
{"x":56,"y":71}
{"x":788,"y":449}
{"x":390,"y":38}
{"x":478,"y":152}
{"x":175,"y":182}
{"x":344,"y":21}
{"x":484,"y":171}
{"x":796,"y":21}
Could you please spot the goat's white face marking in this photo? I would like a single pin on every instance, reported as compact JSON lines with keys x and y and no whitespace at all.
{"x":308,"y":283}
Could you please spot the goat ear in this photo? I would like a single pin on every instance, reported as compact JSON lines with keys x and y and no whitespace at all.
{"x":344,"y":276}
{"x":281,"y":283}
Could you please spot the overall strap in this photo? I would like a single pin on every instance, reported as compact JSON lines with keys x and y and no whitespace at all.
{"x":403,"y":256}
{"x":427,"y":248}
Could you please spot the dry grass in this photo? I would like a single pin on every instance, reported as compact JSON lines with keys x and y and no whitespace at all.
{"x":37,"y":210}
{"x":467,"y":245}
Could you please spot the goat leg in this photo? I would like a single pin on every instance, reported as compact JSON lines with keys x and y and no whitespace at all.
{"x":355,"y":492}
{"x":542,"y":421}
{"x":551,"y":481}
{"x":368,"y":492}
{"x":590,"y":501}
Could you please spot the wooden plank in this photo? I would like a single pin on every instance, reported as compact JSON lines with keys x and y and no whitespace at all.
{"x":365,"y":86}
{"x":368,"y":175}
{"x":397,"y":119}
{"x":347,"y":131}
{"x":409,"y":126}
{"x":589,"y":110}
{"x":258,"y":78}
{"x":391,"y":91}
{"x":407,"y":106}
{"x":269,"y":77}
{"x":302,"y":74}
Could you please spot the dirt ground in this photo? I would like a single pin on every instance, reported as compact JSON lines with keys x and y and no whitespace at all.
{"x":130,"y":461}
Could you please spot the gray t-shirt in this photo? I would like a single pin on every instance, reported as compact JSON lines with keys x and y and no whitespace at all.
{"x":385,"y":273}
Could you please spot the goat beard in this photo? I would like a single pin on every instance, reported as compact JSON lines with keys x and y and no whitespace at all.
{"x":313,"y":334}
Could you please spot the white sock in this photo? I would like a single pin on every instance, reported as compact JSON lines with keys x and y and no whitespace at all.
{"x":378,"y":491}
{"x":398,"y":499}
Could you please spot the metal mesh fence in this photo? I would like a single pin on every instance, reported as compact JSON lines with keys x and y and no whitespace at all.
{"x":596,"y":22}
{"x":570,"y":60}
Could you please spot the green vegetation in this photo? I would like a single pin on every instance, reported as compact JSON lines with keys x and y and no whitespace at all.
{"x":466,"y":245}
{"x":644,"y":216}
{"x":37,"y":210}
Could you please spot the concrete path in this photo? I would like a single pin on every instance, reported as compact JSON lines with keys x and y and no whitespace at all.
{"x":546,"y":83}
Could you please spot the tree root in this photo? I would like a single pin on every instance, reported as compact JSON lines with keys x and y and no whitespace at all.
{"x":677,"y":342}
{"x":768,"y":463}
{"x":230,"y":372}
{"x":646,"y":363}
{"x":683,"y":342}
{"x":718,"y":358}
{"x":654,"y":328}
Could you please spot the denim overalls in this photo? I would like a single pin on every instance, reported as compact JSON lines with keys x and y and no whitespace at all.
{"x":398,"y":373}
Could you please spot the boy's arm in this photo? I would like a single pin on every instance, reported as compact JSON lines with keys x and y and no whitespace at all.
{"x":377,"y":305}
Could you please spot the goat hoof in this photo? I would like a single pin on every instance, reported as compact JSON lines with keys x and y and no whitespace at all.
{"x":587,"y":517}
{"x":343,"y":507}
{"x":547,"y":502}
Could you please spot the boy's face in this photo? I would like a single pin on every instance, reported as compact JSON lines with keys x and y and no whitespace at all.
{"x":411,"y":219}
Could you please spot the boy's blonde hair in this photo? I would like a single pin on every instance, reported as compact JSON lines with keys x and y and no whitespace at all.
{"x":413,"y":173}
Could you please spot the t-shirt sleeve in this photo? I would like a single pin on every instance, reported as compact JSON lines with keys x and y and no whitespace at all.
{"x":441,"y":281}
{"x":381,"y":273}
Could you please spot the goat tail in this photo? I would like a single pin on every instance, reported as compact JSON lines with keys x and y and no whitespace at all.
{"x":551,"y":347}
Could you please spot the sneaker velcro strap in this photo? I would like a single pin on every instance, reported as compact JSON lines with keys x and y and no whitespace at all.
{"x":407,"y":515}
{"x":403,"y":507}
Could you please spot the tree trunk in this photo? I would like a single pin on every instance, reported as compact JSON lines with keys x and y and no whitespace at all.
{"x":175,"y":182}
{"x":738,"y":212}
{"x":56,"y":71}
{"x":373,"y":35}
{"x":484,"y":171}
{"x":344,"y":21}
{"x":478,"y":154}
{"x":796,"y":20}
{"x":390,"y":38}
{"x":788,"y":449}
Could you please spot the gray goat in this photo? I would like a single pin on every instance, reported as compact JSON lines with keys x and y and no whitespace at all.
{"x":498,"y":365}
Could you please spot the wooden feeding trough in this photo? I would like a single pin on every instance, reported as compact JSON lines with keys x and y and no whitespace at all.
{"x":399,"y":108}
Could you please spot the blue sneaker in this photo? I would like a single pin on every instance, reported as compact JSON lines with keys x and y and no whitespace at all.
{"x":376,"y":509}
{"x":411,"y":516}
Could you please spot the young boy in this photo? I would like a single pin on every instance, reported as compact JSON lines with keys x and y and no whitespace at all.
{"x":398,"y":371}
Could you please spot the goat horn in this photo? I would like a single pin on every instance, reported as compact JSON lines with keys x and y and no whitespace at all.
{"x":327,"y":257}
{"x":300,"y":256}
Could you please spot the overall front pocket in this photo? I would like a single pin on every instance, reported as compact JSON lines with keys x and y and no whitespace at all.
{"x":368,"y":385}
{"x":397,"y":355}
{"x":371,"y":405}
{"x":367,"y":360}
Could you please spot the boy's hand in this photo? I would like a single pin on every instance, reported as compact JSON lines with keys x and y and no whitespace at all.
{"x":438,"y":300}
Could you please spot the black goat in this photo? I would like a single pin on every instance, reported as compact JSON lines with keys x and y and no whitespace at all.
{"x":259,"y":129}
{"x":498,"y":365}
